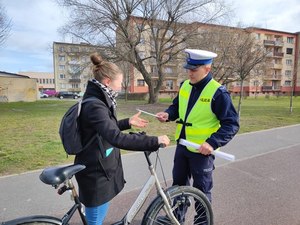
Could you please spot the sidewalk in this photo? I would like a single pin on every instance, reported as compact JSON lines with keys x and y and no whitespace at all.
{"x":260,"y":187}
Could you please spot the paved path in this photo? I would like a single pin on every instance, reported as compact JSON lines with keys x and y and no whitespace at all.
{"x":262,"y":187}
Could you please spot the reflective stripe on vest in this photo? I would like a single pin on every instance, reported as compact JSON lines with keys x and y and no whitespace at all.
{"x":203,"y":121}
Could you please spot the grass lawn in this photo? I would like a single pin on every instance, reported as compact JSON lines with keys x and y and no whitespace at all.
{"x":29,"y":137}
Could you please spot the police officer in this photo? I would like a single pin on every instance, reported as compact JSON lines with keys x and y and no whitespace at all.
{"x":205,"y":115}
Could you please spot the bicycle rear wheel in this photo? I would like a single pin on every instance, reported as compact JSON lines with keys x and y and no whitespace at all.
{"x":34,"y":220}
{"x":189,"y":205}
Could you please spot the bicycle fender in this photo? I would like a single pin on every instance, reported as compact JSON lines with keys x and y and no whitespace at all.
{"x":37,"y":218}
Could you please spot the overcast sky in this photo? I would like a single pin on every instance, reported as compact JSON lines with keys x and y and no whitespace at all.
{"x":35,"y":24}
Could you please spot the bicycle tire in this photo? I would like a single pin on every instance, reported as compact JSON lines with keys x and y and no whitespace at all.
{"x":183,"y":200}
{"x":34,"y":220}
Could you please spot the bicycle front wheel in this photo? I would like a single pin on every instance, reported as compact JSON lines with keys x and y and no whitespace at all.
{"x":189,"y":206}
{"x":34,"y":220}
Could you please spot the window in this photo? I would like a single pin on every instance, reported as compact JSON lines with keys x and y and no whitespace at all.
{"x":287,"y":83}
{"x":74,"y":69}
{"x":75,"y":85}
{"x":62,"y":76}
{"x":61,"y":58}
{"x":289,"y":62}
{"x":169,"y":84}
{"x":61,"y":67}
{"x":61,"y":49}
{"x":288,"y":73}
{"x":140,"y":82}
{"x":168,"y":70}
{"x":154,"y":70}
{"x":277,"y":61}
{"x":142,"y":55}
{"x":74,"y":49}
{"x":62,"y":86}
{"x":142,"y":41}
{"x":257,"y":37}
{"x":290,"y":40}
{"x":289,"y":51}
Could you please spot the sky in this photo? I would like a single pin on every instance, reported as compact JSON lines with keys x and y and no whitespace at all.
{"x":35,"y":25}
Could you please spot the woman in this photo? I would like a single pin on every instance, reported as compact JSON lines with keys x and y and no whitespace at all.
{"x":102,"y":133}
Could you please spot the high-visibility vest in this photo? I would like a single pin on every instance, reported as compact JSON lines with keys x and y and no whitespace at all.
{"x":201,"y":121}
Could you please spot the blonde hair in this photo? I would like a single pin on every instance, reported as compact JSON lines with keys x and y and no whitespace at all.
{"x":102,"y":68}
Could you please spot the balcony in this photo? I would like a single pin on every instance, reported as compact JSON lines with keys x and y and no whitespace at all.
{"x":75,"y":80}
{"x":278,"y":54}
{"x":278,"y":43}
{"x":276,"y":66}
{"x":269,"y":42}
{"x":74,"y":89}
{"x":270,"y":88}
{"x":273,"y":77}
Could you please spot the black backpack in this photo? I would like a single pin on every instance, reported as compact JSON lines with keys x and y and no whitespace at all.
{"x":69,"y":129}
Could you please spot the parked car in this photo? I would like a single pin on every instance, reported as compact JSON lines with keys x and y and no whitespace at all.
{"x":67,"y":94}
{"x":43,"y":95}
{"x":50,"y":93}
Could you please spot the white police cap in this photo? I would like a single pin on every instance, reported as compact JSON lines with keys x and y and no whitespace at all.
{"x":196,"y":57}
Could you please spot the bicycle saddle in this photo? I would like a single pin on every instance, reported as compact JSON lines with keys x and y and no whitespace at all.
{"x":57,"y":175}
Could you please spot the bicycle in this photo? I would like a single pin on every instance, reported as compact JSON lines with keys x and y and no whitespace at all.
{"x":175,"y":205}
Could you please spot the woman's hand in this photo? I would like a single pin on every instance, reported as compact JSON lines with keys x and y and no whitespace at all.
{"x":164,"y":140}
{"x":136,"y":121}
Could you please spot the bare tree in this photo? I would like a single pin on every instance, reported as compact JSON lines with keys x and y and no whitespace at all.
{"x":248,"y":55}
{"x":5,"y":25}
{"x":239,"y":54}
{"x":131,"y":26}
{"x":219,"y":39}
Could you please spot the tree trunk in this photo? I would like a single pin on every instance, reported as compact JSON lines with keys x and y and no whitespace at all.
{"x":153,"y":96}
{"x":240,"y":99}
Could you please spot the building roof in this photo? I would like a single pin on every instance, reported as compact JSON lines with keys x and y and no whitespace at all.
{"x":7,"y":74}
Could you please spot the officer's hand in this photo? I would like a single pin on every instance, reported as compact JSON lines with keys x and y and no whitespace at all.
{"x":164,"y":140}
{"x":162,"y":116}
{"x":206,"y":149}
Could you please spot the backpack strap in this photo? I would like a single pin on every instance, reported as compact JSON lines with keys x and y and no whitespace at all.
{"x":82,"y":101}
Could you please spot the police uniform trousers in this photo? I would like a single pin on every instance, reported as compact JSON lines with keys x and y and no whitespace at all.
{"x":189,"y":165}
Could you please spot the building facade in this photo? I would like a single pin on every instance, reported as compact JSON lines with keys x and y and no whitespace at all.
{"x":281,"y":77}
{"x":282,"y":74}
{"x":16,"y":87}
{"x":72,"y":65}
{"x":44,"y":80}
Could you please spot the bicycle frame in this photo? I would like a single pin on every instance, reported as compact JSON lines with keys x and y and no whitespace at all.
{"x":77,"y":206}
{"x":134,"y":209}
{"x":140,"y":200}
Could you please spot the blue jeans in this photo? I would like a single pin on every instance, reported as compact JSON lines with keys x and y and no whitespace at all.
{"x":96,"y":215}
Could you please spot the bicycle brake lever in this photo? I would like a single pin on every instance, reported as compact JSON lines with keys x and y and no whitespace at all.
{"x":162,"y":145}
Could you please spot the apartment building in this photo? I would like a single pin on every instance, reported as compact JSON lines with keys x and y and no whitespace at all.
{"x":282,"y":73}
{"x":281,"y":77}
{"x":44,"y":80}
{"x":72,"y":65}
